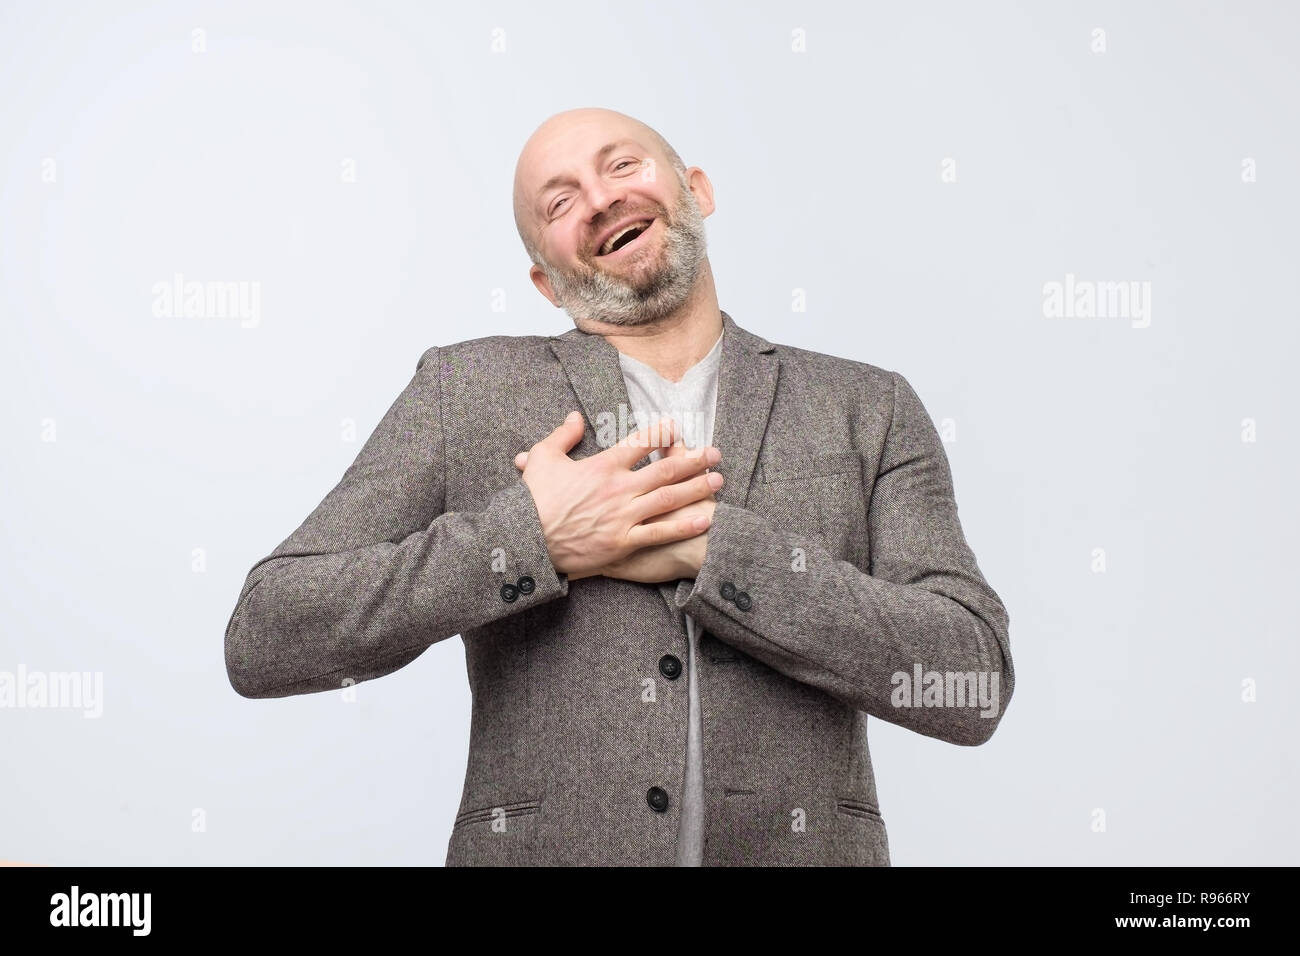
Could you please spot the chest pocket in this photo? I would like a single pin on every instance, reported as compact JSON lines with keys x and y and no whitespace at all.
{"x":811,"y":466}
{"x":820,"y":494}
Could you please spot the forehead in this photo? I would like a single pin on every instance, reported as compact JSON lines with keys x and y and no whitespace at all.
{"x":556,"y":155}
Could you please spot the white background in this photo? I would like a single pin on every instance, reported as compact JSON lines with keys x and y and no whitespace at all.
{"x":175,"y":434}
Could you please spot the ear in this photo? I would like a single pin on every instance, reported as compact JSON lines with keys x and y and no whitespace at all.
{"x":698,"y":181}
{"x":543,"y":284}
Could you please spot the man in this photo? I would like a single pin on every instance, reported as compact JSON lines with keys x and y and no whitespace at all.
{"x":674,"y":637}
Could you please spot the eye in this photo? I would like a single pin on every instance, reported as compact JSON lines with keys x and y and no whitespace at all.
{"x":617,"y":166}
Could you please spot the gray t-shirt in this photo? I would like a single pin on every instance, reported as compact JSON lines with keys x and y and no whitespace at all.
{"x":691,"y":403}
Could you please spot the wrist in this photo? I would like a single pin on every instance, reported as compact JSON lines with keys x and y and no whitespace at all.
{"x":693,"y":558}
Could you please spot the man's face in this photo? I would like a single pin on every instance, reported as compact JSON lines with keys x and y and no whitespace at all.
{"x":586,"y":190}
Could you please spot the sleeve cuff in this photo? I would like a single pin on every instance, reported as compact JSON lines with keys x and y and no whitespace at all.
{"x":525,"y":575}
{"x":728,"y":565}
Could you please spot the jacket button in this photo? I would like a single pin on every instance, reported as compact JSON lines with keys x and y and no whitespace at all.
{"x":728,"y":591}
{"x":526,"y":585}
{"x":743,"y":601}
{"x":509,"y":592}
{"x":670,"y":667}
{"x":657,"y":797}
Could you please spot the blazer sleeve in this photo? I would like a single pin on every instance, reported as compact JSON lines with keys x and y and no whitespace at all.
{"x":378,"y":571}
{"x":852,"y":633}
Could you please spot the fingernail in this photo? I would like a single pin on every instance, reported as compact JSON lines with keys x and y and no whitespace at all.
{"x":701,"y":523}
{"x":714,"y":480}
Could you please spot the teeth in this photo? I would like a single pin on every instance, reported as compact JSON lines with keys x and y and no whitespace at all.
{"x":604,"y":250}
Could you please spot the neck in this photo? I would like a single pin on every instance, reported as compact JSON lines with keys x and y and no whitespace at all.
{"x":672,"y":344}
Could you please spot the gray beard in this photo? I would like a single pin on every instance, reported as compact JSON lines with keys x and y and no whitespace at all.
{"x":658,"y":290}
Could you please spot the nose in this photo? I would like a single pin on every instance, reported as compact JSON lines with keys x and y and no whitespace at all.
{"x":603,"y":195}
{"x":606,"y":206}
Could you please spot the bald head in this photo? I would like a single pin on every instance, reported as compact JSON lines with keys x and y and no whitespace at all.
{"x":560,"y":151}
{"x":611,"y":218}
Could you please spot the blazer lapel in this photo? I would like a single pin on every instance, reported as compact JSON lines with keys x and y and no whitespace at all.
{"x":591,"y":365}
{"x":747,"y":375}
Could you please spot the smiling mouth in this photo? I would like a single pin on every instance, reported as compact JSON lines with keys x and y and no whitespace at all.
{"x":624,"y":238}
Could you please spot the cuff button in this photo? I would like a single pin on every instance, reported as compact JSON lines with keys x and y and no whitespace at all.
{"x":509,"y":592}
{"x":526,"y":585}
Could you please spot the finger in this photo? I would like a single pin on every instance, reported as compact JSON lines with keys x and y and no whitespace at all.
{"x":565,"y":436}
{"x":669,"y":470}
{"x":642,"y":442}
{"x":686,"y":511}
{"x":665,"y":532}
{"x":667,"y":498}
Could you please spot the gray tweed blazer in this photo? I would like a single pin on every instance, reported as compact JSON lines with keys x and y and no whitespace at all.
{"x":837,"y":586}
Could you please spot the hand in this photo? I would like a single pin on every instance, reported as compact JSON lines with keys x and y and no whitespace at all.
{"x":594,"y":511}
{"x":661,"y":562}
{"x":666,"y":562}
